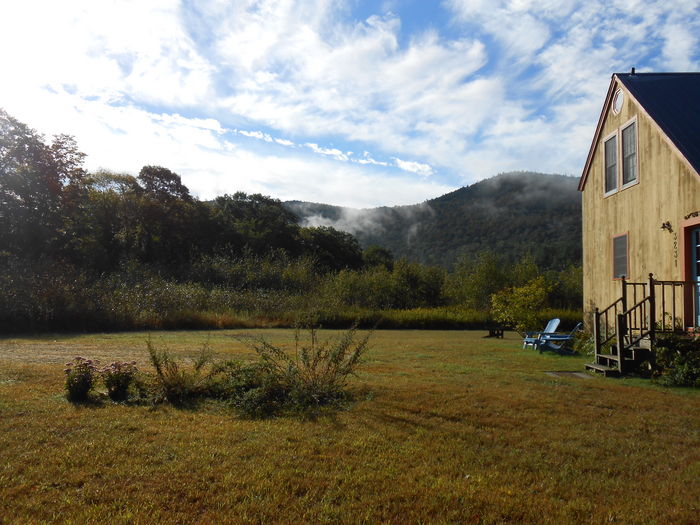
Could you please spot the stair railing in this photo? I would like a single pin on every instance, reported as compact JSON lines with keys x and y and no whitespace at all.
{"x":657,"y":307}
{"x":635,"y":324}
{"x":605,"y":322}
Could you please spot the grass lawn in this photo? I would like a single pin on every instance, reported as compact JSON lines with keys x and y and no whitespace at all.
{"x":450,"y":427}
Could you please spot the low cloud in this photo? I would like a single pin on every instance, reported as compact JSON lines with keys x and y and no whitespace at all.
{"x":365,"y":223}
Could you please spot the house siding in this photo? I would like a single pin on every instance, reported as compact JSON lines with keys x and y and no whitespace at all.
{"x":667,"y":190}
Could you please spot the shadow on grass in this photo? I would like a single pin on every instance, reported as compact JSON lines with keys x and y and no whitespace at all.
{"x":90,"y":402}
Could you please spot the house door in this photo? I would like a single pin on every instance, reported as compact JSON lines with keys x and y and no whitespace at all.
{"x":695,"y":262}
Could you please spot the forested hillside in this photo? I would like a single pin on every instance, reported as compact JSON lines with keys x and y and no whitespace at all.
{"x":100,"y":250}
{"x":512,"y":214}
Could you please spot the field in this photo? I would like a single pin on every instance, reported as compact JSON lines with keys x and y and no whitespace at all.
{"x":449,"y":428}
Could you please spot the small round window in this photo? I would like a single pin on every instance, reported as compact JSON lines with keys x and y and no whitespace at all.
{"x":617,"y":101}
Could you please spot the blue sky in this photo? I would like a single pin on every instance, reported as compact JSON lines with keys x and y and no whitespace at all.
{"x":351,"y":102}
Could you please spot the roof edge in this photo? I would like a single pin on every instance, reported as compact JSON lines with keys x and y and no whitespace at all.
{"x":598,"y":130}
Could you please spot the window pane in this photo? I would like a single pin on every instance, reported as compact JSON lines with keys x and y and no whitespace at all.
{"x":629,"y":154}
{"x":610,"y":164}
{"x":620,"y":257}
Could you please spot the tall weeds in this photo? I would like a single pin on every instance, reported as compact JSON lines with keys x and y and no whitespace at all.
{"x":317,"y":372}
{"x":177,"y":383}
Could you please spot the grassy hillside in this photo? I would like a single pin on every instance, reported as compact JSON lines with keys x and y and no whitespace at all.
{"x":512,"y":213}
{"x":450,"y":428}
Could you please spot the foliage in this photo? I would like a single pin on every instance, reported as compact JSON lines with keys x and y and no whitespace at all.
{"x":407,"y":285}
{"x":584,"y":344}
{"x":518,"y":307}
{"x":315,"y":375}
{"x":177,"y":383}
{"x":678,"y":361}
{"x":474,"y":280}
{"x":118,"y":377}
{"x":333,"y":249}
{"x":104,"y":250}
{"x":81,"y":374}
{"x":567,"y":287}
{"x":378,"y":256}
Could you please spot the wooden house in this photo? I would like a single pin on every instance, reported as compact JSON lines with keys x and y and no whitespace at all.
{"x":641,"y":216}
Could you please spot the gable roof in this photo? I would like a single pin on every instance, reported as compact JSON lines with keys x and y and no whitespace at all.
{"x":672,"y":100}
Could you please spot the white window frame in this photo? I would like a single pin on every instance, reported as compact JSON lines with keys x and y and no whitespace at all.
{"x":613,"y":135}
{"x":632,"y":122}
{"x":619,"y":161}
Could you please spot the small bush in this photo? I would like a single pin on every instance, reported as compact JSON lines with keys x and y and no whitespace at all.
{"x":118,"y":378}
{"x":81,"y":374}
{"x":315,"y":375}
{"x":584,"y":344}
{"x":518,"y":307}
{"x":678,"y":361}
{"x":180,"y":384}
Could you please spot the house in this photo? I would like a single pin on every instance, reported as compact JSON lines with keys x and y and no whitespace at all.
{"x":641,"y":215}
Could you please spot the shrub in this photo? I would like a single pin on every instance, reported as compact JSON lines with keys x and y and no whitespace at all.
{"x":584,"y":343}
{"x":678,"y":361}
{"x":80,"y":378}
{"x":519,"y":307}
{"x":315,"y":375}
{"x":118,"y":377}
{"x":180,"y":384}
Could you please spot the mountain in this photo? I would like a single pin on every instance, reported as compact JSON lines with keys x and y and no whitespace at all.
{"x":511,"y":214}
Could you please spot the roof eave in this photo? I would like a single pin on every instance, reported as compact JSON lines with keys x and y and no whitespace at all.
{"x":598,"y":131}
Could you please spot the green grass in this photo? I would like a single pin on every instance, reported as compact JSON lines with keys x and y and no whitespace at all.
{"x":449,"y":427}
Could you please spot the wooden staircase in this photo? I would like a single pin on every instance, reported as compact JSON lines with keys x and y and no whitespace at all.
{"x":609,"y":363}
{"x":625,"y":336}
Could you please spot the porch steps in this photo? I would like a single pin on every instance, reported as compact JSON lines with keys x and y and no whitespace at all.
{"x":607,"y":371}
{"x":609,"y":364}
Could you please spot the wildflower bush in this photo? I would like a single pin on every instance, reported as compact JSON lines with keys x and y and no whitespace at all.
{"x":81,"y":375}
{"x":118,"y":377}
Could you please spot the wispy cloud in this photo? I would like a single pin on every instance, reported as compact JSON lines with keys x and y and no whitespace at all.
{"x":414,"y":167}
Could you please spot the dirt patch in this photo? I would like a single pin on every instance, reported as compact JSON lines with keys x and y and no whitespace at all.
{"x":580,"y":375}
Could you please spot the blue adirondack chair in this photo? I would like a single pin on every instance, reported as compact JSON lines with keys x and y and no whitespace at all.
{"x":558,"y":342}
{"x":535,"y":338}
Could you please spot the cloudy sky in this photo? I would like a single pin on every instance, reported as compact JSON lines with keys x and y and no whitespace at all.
{"x":352,"y":102}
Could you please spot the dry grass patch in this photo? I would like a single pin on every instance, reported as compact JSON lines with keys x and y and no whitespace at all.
{"x":457,"y":429}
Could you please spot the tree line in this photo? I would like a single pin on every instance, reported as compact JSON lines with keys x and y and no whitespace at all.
{"x":101,"y":250}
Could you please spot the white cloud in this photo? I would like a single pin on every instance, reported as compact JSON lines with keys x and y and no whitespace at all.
{"x":331,"y":152}
{"x":255,"y":134}
{"x":414,"y":167}
{"x":178,"y":83}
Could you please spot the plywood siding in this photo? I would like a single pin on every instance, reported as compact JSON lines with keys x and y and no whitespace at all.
{"x":668,"y":190}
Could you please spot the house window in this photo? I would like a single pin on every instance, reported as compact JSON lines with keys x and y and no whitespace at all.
{"x":629,"y":154}
{"x":618,"y":101}
{"x":620,"y":262}
{"x":621,"y":145}
{"x":611,"y":164}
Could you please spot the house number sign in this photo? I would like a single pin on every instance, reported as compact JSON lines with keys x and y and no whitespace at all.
{"x":675,"y":249}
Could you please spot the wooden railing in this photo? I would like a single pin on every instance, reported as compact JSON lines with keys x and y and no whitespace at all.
{"x":604,"y":324}
{"x":676,"y":304}
{"x":656,"y":307}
